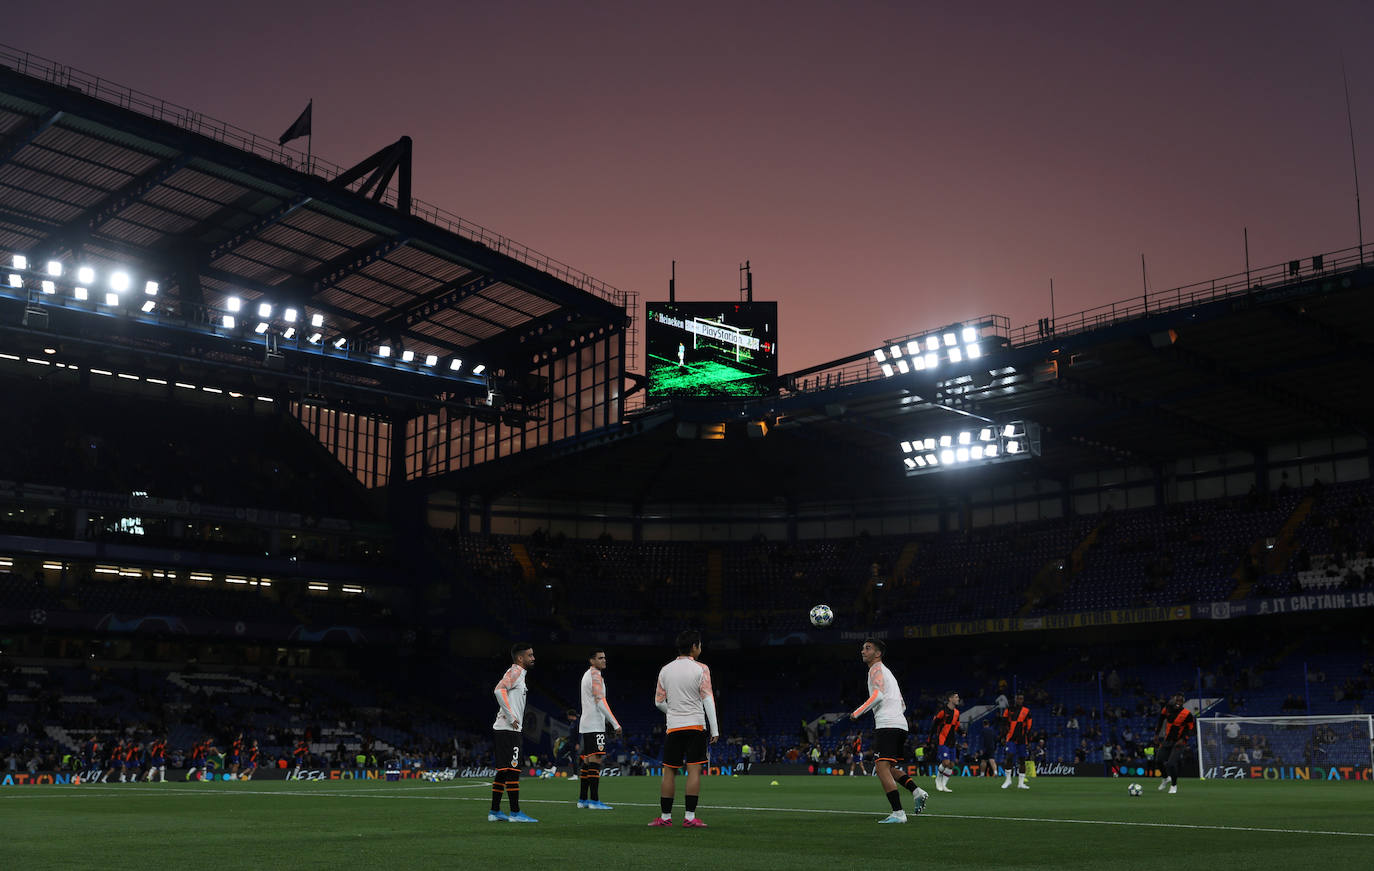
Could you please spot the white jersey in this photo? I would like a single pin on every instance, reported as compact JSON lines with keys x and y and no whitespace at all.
{"x":884,"y":698}
{"x":684,"y":695}
{"x":596,"y":713}
{"x":510,"y":696}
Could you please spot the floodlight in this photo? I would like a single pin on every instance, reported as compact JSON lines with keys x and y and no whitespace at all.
{"x":119,"y":281}
{"x":1013,"y":447}
{"x":16,"y":280}
{"x":919,"y":363}
{"x":21,"y":262}
{"x":431,"y":359}
{"x":150,"y":288}
{"x":479,"y":368}
{"x":932,"y":361}
{"x":951,"y":340}
{"x":973,"y":351}
{"x":264,"y":310}
{"x":970,"y":334}
{"x":289,"y":333}
{"x":80,"y":293}
{"x":1009,"y":430}
{"x":55,"y":268}
{"x":895,"y":351}
{"x":929,"y":444}
{"x":111,"y":298}
{"x":314,"y":338}
{"x":946,"y":441}
{"x":990,"y":450}
{"x":954,"y":354}
{"x":289,"y":316}
{"x":965,"y":437}
{"x":976,"y":452}
{"x":228,"y":321}
{"x":932,"y":343}
{"x":260,"y":328}
{"x":887,"y":370}
{"x":903,"y":367}
{"x":879,"y":355}
{"x":148,"y":306}
{"x":317,"y":320}
{"x":920,"y":462}
{"x":961,"y":455}
{"x":340,"y":342}
{"x":947,"y":456}
{"x":455,"y":364}
{"x":932,"y":459}
{"x":910,"y":463}
{"x":407,"y":356}
{"x":985,"y":434}
{"x":906,"y":447}
{"x":913,"y":347}
{"x":49,"y":287}
{"x":85,"y":275}
{"x":384,"y":351}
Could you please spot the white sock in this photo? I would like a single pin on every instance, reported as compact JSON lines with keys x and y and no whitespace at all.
{"x":668,"y":817}
{"x":691,"y":815}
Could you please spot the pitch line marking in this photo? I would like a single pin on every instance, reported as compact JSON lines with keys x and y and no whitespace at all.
{"x":403,"y":794}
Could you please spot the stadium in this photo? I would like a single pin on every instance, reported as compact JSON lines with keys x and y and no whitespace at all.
{"x":292,"y":458}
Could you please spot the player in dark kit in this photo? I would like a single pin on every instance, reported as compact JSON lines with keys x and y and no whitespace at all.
{"x":157,"y":760}
{"x":944,"y":734}
{"x":1018,"y":722}
{"x":235,"y":756}
{"x":302,"y":757}
{"x":1176,"y":724}
{"x":250,"y":762}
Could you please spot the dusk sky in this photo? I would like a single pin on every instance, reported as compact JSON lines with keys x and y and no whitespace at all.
{"x":887,"y":167}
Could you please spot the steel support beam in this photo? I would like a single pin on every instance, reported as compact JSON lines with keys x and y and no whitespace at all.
{"x":26,"y":133}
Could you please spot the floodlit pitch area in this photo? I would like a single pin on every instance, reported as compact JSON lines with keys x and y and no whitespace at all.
{"x":803,"y":822}
{"x":705,"y":377}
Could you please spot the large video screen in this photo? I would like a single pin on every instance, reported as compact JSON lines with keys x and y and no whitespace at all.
{"x":711,"y":349}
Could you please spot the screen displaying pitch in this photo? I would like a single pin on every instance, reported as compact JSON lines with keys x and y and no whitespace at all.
{"x":711,"y":349}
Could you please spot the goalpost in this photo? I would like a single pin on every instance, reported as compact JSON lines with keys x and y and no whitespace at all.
{"x":1286,"y":748}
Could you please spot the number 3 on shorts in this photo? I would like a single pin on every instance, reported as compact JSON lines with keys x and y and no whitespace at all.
{"x":515,"y":758}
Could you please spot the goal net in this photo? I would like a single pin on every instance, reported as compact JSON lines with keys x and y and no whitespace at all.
{"x":1286,"y":748}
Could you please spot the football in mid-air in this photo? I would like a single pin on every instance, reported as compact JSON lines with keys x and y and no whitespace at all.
{"x":1135,"y":789}
{"x":821,"y":615}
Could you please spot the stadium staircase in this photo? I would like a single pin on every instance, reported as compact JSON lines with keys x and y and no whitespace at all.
{"x":904,"y":561}
{"x":522,"y":558}
{"x":1055,"y":576}
{"x":1275,"y":559}
{"x":715,"y":587}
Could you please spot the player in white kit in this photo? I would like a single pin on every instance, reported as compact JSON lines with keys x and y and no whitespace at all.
{"x":596,"y":713}
{"x":510,"y":697}
{"x":890,"y":729}
{"x":684,"y":695}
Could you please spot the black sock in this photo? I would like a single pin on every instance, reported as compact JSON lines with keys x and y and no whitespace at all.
{"x":906,"y":783}
{"x":584,"y":784}
{"x":692,"y":803}
{"x":666,"y":804}
{"x":594,"y":778}
{"x":498,"y":789}
{"x":513,"y":790}
{"x":894,"y":800}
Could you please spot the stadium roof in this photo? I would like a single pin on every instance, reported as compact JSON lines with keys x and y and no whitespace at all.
{"x":110,"y":176}
{"x":1279,"y":355}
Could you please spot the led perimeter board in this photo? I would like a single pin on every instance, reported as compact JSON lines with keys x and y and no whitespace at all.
{"x":711,"y":349}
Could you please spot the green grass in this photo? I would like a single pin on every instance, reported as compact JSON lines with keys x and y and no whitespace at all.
{"x":801,"y":823}
{"x":704,"y":376}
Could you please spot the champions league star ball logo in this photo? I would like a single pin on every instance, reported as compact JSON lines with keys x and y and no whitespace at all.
{"x":38,"y":616}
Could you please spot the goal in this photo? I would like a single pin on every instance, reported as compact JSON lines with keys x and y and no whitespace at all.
{"x":1286,"y":748}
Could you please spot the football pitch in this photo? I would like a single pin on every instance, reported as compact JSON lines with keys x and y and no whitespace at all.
{"x":705,"y":377}
{"x":802,"y":822}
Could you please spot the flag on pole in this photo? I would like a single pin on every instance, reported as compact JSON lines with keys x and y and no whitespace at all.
{"x":300,"y":128}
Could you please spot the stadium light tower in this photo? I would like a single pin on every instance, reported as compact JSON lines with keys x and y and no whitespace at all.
{"x":974,"y":446}
{"x":949,"y":345}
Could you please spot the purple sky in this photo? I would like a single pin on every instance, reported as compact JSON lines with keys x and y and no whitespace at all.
{"x":887,"y":167}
